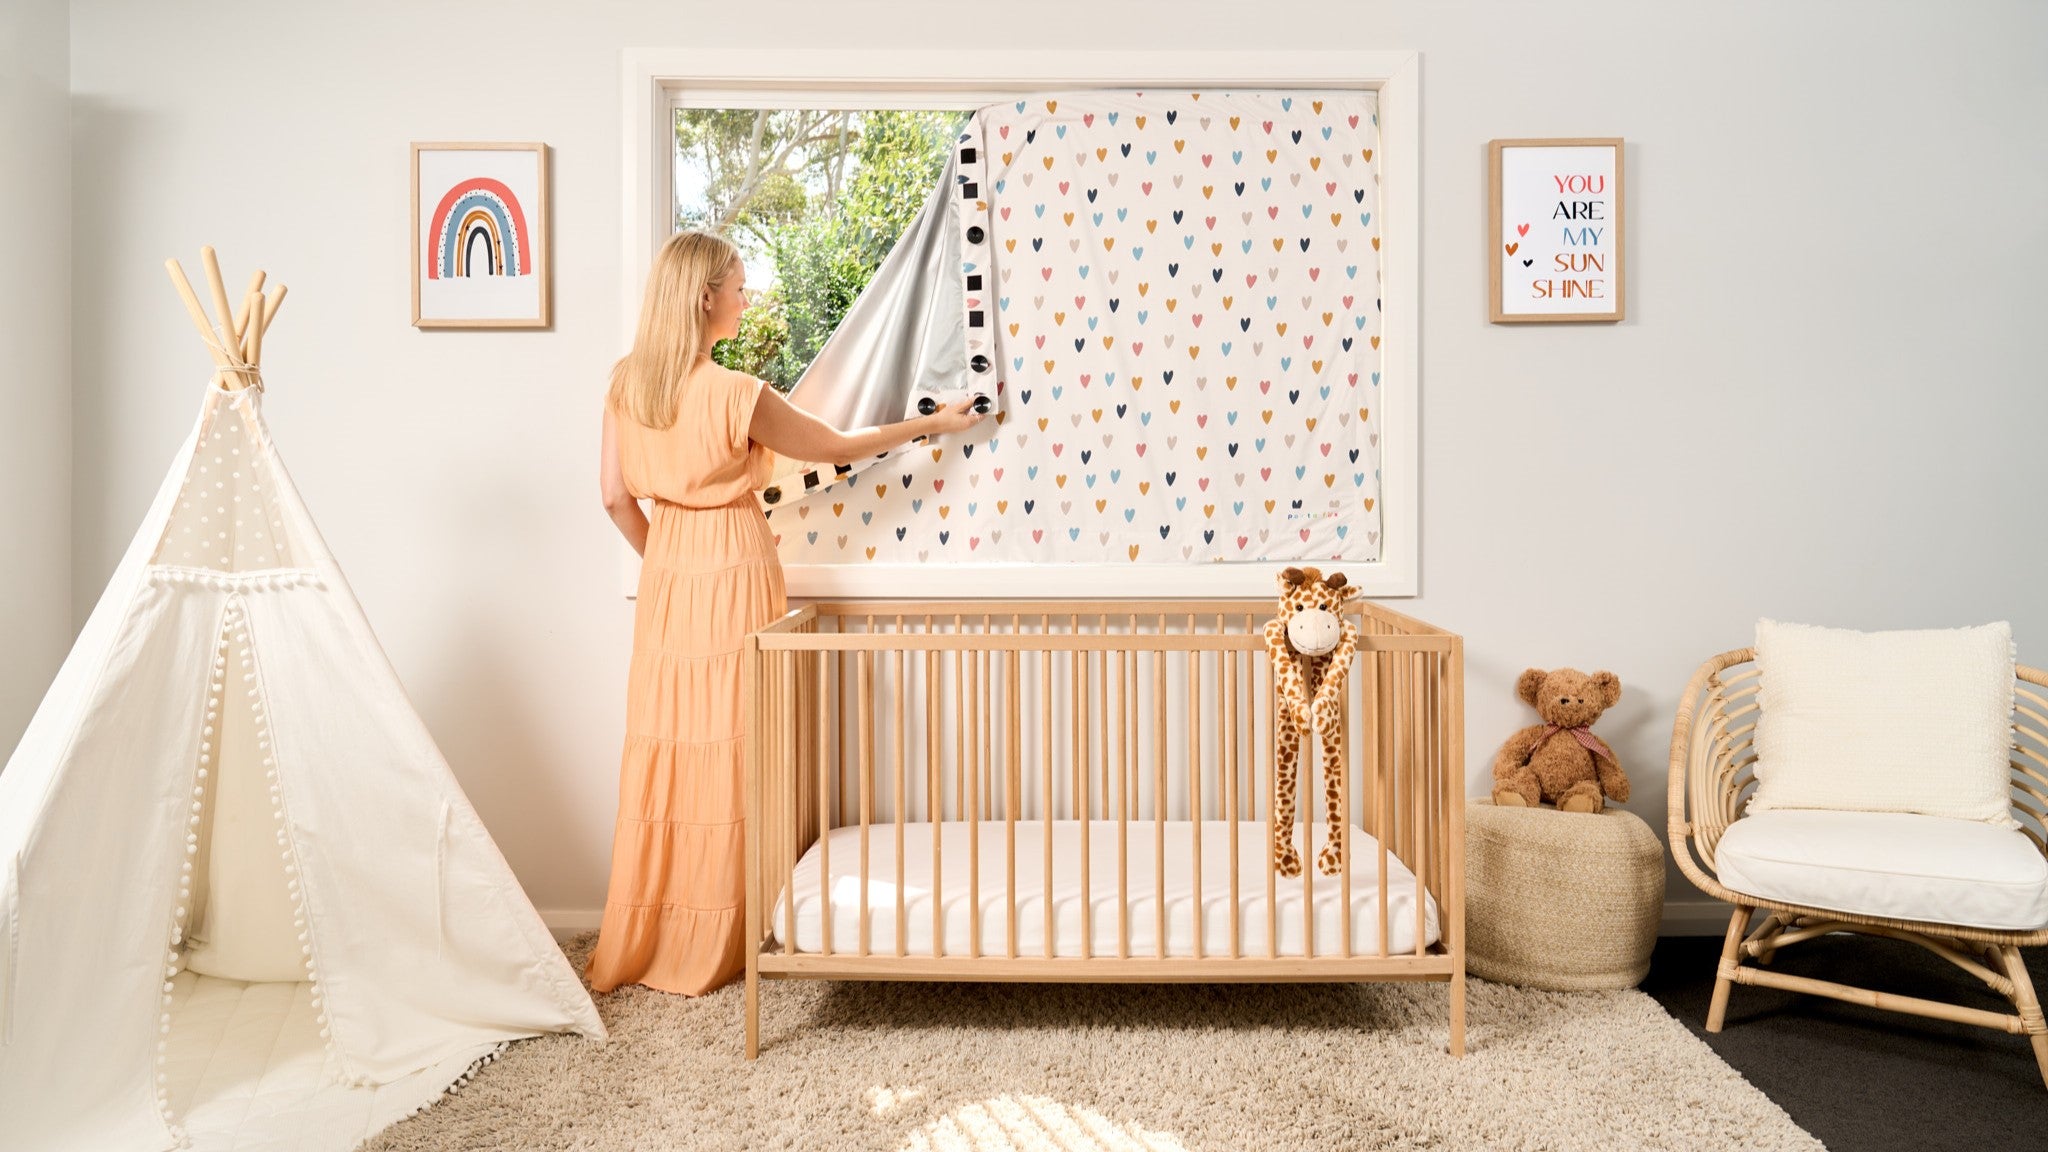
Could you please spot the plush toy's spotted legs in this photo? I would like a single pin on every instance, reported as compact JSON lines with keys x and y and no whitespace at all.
{"x":1286,"y":757}
{"x":1294,"y":725}
{"x":1330,"y":860}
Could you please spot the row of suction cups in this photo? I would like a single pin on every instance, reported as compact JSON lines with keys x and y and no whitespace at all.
{"x":926,"y":405}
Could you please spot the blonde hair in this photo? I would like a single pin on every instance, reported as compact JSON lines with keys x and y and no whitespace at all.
{"x":647,"y":382}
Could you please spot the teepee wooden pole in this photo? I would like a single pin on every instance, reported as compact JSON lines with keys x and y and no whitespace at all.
{"x":242,"y":316}
{"x":197,"y":312}
{"x":252,"y":338}
{"x":220,"y":292}
{"x":270,"y":309}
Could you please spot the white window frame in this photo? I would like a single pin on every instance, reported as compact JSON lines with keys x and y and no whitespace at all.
{"x":657,"y":81}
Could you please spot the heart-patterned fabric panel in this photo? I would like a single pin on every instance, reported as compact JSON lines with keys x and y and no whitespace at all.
{"x":1184,"y":292}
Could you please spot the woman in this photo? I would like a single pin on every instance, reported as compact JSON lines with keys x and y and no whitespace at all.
{"x":698,"y":439}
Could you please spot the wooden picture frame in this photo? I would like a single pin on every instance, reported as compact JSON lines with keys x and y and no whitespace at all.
{"x":480,"y":254}
{"x":1556,"y":229}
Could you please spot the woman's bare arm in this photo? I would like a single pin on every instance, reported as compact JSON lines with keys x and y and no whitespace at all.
{"x":794,"y":433}
{"x":611,"y":481}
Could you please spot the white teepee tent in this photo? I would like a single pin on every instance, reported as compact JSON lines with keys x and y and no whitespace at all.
{"x":243,"y":901}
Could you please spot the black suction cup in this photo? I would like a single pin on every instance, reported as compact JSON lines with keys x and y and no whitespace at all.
{"x":926,"y":405}
{"x":981,"y":404}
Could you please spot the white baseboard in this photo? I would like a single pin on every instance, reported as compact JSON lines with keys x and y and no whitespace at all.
{"x":1681,"y":918}
{"x":567,"y":922}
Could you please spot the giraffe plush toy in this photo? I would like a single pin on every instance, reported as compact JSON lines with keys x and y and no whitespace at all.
{"x":1311,"y":645}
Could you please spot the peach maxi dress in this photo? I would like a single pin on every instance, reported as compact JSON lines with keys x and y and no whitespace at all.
{"x":675,"y":913}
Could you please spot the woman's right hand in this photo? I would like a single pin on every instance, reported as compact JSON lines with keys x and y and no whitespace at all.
{"x":955,"y":418}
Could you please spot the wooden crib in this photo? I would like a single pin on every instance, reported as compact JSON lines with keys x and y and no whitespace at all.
{"x":904,"y":753}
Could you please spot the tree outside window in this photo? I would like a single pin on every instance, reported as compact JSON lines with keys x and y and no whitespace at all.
{"x":814,"y":199}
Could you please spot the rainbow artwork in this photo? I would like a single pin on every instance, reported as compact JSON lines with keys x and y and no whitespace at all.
{"x":478,"y":229}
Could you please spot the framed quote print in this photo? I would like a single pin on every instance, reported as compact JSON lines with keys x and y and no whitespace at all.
{"x":480,"y":236}
{"x":1555,"y":211}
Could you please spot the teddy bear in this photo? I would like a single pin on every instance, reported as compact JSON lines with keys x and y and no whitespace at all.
{"x":1311,"y":646}
{"x":1560,"y":761}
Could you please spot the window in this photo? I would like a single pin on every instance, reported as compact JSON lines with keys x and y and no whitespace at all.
{"x":657,"y":82}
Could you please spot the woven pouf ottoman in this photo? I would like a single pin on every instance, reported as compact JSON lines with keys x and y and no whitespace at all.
{"x":1565,"y":901}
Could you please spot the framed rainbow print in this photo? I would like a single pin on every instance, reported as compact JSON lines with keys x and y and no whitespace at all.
{"x":480,"y":236}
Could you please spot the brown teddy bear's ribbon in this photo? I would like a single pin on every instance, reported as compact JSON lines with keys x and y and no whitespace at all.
{"x":1584,"y":734}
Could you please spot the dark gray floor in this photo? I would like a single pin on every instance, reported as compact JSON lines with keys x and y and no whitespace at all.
{"x":1859,"y":1079}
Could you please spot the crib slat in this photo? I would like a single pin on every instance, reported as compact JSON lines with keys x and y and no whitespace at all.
{"x":1411,"y":779}
{"x":1368,"y":762}
{"x":771,"y":739}
{"x":1268,"y":754}
{"x":1013,"y":769}
{"x":1410,"y":834}
{"x":827,"y":809}
{"x":1439,"y":813}
{"x":1439,"y":693}
{"x":902,"y":695}
{"x":1387,"y":768}
{"x":1400,"y":737}
{"x":1227,"y":731}
{"x":990,"y":765}
{"x":935,"y":788}
{"x":1102,"y":711}
{"x":1249,"y":685}
{"x":839,"y":801}
{"x":784,"y":839}
{"x":970,"y":694}
{"x":1194,"y":659}
{"x":1344,"y":822}
{"x":960,"y":686}
{"x":1159,"y":796}
{"x":1085,"y":662}
{"x":1045,"y":810}
{"x":867,"y":779}
{"x":1123,"y":804}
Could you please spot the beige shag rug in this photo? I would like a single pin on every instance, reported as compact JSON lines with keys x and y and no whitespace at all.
{"x":1107,"y":1068}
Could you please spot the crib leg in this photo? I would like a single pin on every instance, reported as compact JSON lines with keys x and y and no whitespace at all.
{"x":753,"y":1011}
{"x":1458,"y":1013}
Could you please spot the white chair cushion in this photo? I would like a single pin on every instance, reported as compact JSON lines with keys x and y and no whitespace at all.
{"x":1892,"y":864}
{"x":1916,"y":721}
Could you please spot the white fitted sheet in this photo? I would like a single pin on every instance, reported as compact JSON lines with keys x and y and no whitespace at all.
{"x":954,"y":841}
{"x":247,"y":1071}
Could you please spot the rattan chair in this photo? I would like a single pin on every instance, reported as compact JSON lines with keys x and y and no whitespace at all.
{"x":1713,"y":756}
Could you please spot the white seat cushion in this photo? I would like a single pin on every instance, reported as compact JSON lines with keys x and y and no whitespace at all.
{"x":1898,"y":865}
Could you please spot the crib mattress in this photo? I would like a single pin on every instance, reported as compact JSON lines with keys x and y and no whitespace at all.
{"x":247,"y":1071}
{"x":1101,"y":901}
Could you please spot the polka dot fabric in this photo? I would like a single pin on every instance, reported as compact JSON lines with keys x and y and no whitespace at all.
{"x":227,"y":518}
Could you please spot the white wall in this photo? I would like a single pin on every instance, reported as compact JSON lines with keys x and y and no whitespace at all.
{"x":35,"y":355}
{"x":1825,"y":405}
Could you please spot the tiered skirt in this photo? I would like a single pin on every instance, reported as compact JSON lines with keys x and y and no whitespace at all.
{"x":675,"y":910}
